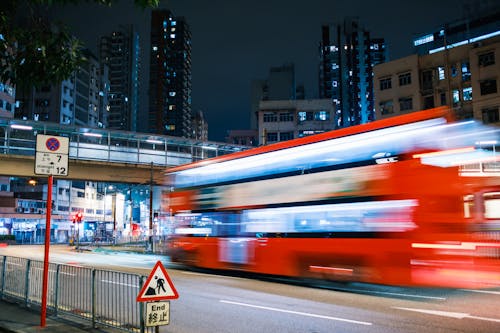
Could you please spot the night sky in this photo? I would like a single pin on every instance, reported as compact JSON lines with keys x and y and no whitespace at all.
{"x":235,"y":42}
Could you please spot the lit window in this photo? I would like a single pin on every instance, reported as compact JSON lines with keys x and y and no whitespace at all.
{"x":322,"y":115}
{"x":465,"y":71}
{"x":454,"y":71}
{"x":467,"y":92}
{"x":386,"y":107}
{"x":456,"y":96}
{"x":441,"y":73}
{"x":172,"y":93}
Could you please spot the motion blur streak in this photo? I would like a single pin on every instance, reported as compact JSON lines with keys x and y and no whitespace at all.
{"x":391,"y":202}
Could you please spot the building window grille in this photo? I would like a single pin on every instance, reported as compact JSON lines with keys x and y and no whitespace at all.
{"x":385,"y":83}
{"x":490,"y":115}
{"x":285,"y":117}
{"x":427,"y":80}
{"x":442,"y":96}
{"x":284,"y":136}
{"x":272,"y":137}
{"x":405,"y":104}
{"x":488,"y":87}
{"x":405,"y":79}
{"x":486,"y":59}
{"x":270,"y":117}
{"x":428,"y":102}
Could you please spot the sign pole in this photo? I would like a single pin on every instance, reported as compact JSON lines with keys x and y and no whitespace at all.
{"x":51,"y":158}
{"x":46,"y":255}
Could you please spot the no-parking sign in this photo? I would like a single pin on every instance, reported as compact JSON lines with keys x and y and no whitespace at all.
{"x":51,"y":155}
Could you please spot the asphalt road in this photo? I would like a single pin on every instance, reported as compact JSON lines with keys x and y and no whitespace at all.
{"x":211,"y":302}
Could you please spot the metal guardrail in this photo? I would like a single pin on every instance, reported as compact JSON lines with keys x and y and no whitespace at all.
{"x":106,"y":298}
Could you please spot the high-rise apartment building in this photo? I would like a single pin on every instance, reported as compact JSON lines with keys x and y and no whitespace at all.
{"x":347,"y":56}
{"x":120,"y":52}
{"x":199,"y":126}
{"x":170,"y":75}
{"x":79,"y":100}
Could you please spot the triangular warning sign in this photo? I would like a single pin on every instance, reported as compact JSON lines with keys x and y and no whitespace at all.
{"x":158,"y":286}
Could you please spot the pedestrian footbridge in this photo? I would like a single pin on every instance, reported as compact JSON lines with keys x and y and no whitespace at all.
{"x":103,"y":154}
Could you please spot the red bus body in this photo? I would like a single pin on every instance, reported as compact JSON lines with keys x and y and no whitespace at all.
{"x":387,"y":218}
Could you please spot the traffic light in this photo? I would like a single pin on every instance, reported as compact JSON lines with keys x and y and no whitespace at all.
{"x":77,"y":218}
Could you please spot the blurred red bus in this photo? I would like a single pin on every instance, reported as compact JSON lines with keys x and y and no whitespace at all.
{"x":383,"y":202}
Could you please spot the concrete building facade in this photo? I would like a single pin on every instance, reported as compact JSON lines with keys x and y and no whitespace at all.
{"x":289,"y":119}
{"x":464,"y":77}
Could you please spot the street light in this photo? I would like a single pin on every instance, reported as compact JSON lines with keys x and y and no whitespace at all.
{"x":108,"y":187}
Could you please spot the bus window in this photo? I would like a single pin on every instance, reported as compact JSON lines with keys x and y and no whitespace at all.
{"x":468,"y":206}
{"x":492,"y":205}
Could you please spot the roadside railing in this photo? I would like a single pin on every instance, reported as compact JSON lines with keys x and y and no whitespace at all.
{"x":105,"y":298}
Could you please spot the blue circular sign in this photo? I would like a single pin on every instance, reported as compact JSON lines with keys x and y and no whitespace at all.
{"x":52,"y":144}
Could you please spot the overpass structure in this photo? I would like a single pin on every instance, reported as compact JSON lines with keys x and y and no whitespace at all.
{"x":103,"y":155}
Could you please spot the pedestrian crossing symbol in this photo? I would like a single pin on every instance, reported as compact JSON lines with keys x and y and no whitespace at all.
{"x":158,"y":286}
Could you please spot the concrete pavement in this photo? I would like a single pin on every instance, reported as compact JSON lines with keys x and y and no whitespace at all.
{"x":17,"y":318}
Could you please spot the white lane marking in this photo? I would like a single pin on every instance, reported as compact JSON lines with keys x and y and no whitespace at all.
{"x":399,"y":294}
{"x":367,"y":291}
{"x":212,"y":275}
{"x":456,"y":315}
{"x":483,"y":291}
{"x":120,"y":283}
{"x":297,"y":313}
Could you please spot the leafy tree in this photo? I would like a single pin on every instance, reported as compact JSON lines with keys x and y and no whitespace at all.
{"x":35,"y":51}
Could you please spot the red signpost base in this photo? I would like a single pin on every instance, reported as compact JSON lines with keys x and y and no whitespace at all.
{"x":46,"y":255}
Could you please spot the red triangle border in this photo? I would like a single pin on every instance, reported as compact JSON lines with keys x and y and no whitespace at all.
{"x":140,"y":296}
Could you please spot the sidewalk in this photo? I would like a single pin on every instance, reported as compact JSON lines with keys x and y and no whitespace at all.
{"x":17,"y":318}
